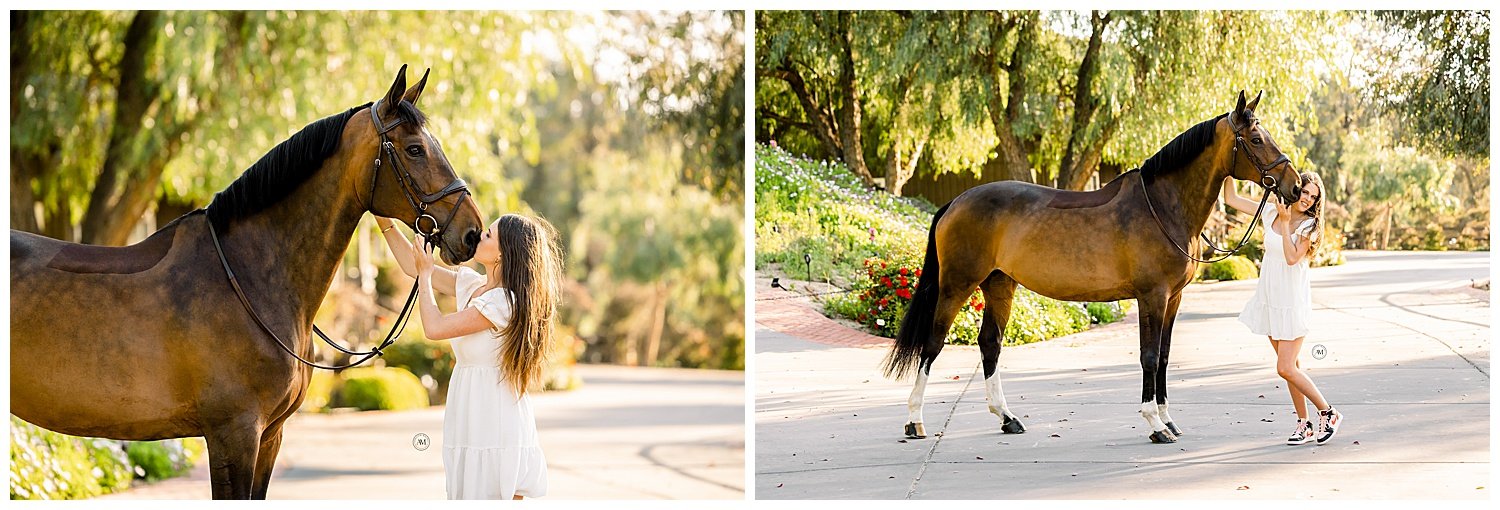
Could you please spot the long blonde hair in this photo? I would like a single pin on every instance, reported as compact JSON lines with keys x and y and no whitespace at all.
{"x":531,"y":268}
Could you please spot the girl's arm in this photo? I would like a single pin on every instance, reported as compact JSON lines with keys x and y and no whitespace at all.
{"x":443,"y":279}
{"x":1294,"y":250}
{"x":435,"y":324}
{"x":1234,"y":200}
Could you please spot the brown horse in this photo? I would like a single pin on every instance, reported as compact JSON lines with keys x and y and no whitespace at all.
{"x":162,"y":348}
{"x":1102,"y":245}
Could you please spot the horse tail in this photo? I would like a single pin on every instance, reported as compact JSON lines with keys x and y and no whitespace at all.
{"x":916,"y":327}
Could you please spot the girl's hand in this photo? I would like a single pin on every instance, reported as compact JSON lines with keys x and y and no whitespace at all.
{"x":422,"y":256}
{"x":1282,"y":210}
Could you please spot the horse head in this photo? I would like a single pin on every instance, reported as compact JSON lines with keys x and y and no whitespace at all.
{"x":411,"y":179}
{"x":1257,"y":158}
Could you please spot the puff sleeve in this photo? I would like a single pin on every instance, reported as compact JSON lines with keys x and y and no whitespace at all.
{"x":495,"y":305}
{"x":1308,"y":229}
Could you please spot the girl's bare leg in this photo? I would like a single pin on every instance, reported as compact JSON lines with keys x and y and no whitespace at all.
{"x":1288,"y":368}
{"x":1299,"y":401}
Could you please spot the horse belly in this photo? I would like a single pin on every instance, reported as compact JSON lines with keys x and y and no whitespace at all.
{"x":1066,"y":255}
{"x":89,"y":363}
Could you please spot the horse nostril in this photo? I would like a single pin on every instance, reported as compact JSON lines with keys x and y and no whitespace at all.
{"x":472,"y":238}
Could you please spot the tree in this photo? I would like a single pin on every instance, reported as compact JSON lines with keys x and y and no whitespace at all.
{"x":1433,"y":69}
{"x":1054,"y":95}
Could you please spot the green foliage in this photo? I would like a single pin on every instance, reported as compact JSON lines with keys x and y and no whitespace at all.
{"x":49,"y":465}
{"x":1233,"y":268}
{"x":423,"y":358}
{"x":1431,"y":68}
{"x":158,"y":460}
{"x":321,"y":391}
{"x":805,"y":206}
{"x":820,"y":209}
{"x":1105,"y":313}
{"x":387,"y":389}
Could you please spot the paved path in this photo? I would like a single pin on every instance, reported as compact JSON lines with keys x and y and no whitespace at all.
{"x":1407,"y":363}
{"x":628,"y":433}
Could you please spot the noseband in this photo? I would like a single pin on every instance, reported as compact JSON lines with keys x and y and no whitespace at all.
{"x":419,"y":201}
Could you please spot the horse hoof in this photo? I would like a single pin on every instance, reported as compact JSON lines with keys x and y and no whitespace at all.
{"x":1012,"y":426}
{"x":1173,"y":428}
{"x":916,"y":431}
{"x":1163,"y":437}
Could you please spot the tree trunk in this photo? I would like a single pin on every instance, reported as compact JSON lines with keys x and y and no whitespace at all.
{"x":658,"y":324}
{"x":1081,"y":158}
{"x":850,"y":110}
{"x":1010,"y":161}
{"x":897,"y":171}
{"x":135,"y":94}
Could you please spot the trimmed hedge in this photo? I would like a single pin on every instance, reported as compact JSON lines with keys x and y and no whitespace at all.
{"x":386,"y":389}
{"x":1233,"y":268}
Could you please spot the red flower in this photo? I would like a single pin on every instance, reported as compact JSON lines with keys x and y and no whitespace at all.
{"x":905,"y":282}
{"x":979,"y":307}
{"x":919,"y":273}
{"x":882,"y":264}
{"x":885,"y":280}
{"x":904,"y":293}
{"x":883,"y":301}
{"x":904,"y":272}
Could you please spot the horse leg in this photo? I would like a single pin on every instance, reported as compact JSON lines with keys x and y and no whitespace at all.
{"x":1153,"y":310}
{"x":950,"y":299}
{"x":265,"y":460}
{"x":1170,"y":320}
{"x":999,"y":291}
{"x":232,"y":449}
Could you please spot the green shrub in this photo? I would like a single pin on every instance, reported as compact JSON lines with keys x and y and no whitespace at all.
{"x":49,"y":465}
{"x":1233,"y":268}
{"x":387,"y":388}
{"x":320,"y":391}
{"x":423,"y":357}
{"x":157,"y":460}
{"x":879,"y":302}
{"x":1105,"y":313}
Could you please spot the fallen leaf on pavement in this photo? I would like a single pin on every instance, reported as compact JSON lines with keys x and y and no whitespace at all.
{"x":1243,"y":488}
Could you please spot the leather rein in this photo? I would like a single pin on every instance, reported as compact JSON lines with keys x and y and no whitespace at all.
{"x":419,"y":202}
{"x":1267,"y":181}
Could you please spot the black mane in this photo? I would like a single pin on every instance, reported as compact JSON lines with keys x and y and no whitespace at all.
{"x":279,"y":172}
{"x":1181,"y":150}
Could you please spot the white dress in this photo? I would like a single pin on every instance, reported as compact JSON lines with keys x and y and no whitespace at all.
{"x":1283,"y":297}
{"x":490,"y":450}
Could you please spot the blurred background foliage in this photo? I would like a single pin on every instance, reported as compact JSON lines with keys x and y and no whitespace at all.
{"x":1391,"y":108}
{"x":625,"y":130}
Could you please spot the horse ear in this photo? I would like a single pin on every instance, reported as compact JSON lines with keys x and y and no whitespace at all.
{"x":1254,"y":102}
{"x":415,"y":92}
{"x":1239,"y":107}
{"x":393,"y":96}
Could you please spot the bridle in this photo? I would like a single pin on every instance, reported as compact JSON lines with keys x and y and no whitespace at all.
{"x":419,"y":202}
{"x":1267,"y":181}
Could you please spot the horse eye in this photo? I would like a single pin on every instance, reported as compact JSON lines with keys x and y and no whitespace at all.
{"x":1256,"y":141}
{"x":416,"y":150}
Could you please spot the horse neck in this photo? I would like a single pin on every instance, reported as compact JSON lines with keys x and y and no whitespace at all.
{"x":293,"y":247}
{"x":1196,"y":187}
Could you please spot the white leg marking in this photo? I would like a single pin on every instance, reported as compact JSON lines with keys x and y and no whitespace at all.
{"x":1162,"y":410}
{"x":996,"y":396}
{"x":914,"y":404}
{"x":1148,"y":411}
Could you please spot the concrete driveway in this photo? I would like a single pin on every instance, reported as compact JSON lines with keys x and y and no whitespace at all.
{"x":627,"y":433}
{"x":1407,"y":362}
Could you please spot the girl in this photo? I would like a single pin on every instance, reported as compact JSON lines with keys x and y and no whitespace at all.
{"x":1283,"y":297}
{"x":500,"y":334}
